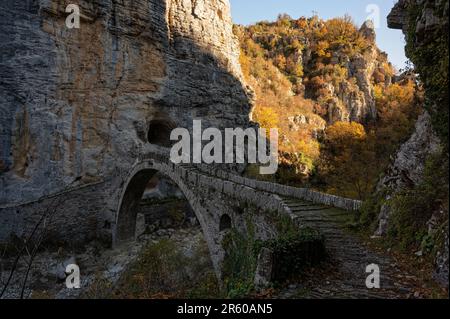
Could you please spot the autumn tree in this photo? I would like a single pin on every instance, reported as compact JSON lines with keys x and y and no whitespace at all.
{"x":266,"y":117}
{"x":347,"y":160}
{"x":295,"y":68}
{"x":398,"y":107}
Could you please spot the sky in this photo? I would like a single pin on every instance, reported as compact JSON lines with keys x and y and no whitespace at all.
{"x":391,"y":41}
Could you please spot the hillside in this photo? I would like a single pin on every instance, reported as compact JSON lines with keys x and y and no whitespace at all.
{"x":323,"y":82}
{"x":354,"y":126}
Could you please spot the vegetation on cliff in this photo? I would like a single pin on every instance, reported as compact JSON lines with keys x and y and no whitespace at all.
{"x":334,"y":96}
{"x":413,"y":216}
{"x":419,"y":214}
{"x":343,"y":112}
{"x":431,"y":60}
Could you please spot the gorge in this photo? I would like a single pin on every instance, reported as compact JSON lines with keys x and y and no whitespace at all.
{"x":86,"y":117}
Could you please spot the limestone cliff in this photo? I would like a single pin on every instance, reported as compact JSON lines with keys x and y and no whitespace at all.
{"x":76,"y":105}
{"x":330,"y":62}
{"x":353,"y":98}
{"x":407,"y":168}
{"x":425,"y":25}
{"x":307,"y":74}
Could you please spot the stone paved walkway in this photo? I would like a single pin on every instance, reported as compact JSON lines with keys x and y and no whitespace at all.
{"x":349,"y":256}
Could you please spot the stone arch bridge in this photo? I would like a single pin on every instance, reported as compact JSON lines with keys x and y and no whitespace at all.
{"x":108,"y":209}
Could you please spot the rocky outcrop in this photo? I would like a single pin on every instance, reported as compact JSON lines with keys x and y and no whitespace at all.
{"x":407,"y":167}
{"x":368,"y":31}
{"x":431,"y":17}
{"x":406,"y":171}
{"x":76,"y":105}
{"x":423,"y":22}
{"x":312,"y":121}
{"x":354,"y":100}
{"x":338,"y":72}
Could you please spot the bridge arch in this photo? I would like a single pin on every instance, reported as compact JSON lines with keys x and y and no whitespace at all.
{"x":126,"y":218}
{"x":132,"y":192}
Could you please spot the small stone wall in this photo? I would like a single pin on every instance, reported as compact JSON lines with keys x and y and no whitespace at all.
{"x":72,"y":217}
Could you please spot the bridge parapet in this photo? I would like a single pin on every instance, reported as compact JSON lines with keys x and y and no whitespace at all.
{"x":284,"y":190}
{"x":234,"y":185}
{"x":93,"y":214}
{"x":269,"y":187}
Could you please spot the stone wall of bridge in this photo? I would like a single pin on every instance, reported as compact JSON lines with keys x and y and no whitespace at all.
{"x":107,"y":210}
{"x":288,"y":191}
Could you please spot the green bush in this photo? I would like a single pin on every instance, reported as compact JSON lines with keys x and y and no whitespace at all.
{"x":239,"y":264}
{"x":366,"y":219}
{"x":163,"y":271}
{"x":412,"y":209}
{"x":294,"y":249}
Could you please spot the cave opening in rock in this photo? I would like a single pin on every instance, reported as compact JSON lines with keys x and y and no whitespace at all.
{"x":159,"y":132}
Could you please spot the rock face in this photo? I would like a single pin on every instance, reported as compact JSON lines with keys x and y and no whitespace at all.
{"x":339,"y":77}
{"x":78,"y":104}
{"x":352,"y":99}
{"x":316,"y":123}
{"x":263,"y":274}
{"x":407,"y":169}
{"x":431,"y":17}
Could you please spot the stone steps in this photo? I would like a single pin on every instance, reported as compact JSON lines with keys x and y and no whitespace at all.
{"x":309,"y":209}
{"x":347,"y":254}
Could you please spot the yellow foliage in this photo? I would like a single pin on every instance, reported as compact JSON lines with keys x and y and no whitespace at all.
{"x":348,"y":160}
{"x":309,"y":148}
{"x":398,"y":107}
{"x":342,"y":31}
{"x":343,"y":134}
{"x":322,"y":49}
{"x":271,"y":60}
{"x":378,"y":92}
{"x":266,"y":117}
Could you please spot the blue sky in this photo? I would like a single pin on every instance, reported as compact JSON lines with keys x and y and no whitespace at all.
{"x":391,"y":41}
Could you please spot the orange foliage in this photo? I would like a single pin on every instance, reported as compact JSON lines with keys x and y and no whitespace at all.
{"x":276,"y":65}
{"x":348,"y":161}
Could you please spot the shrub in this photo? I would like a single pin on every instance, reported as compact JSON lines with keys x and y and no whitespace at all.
{"x":239,"y":264}
{"x":294,"y":250}
{"x":412,"y":209}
